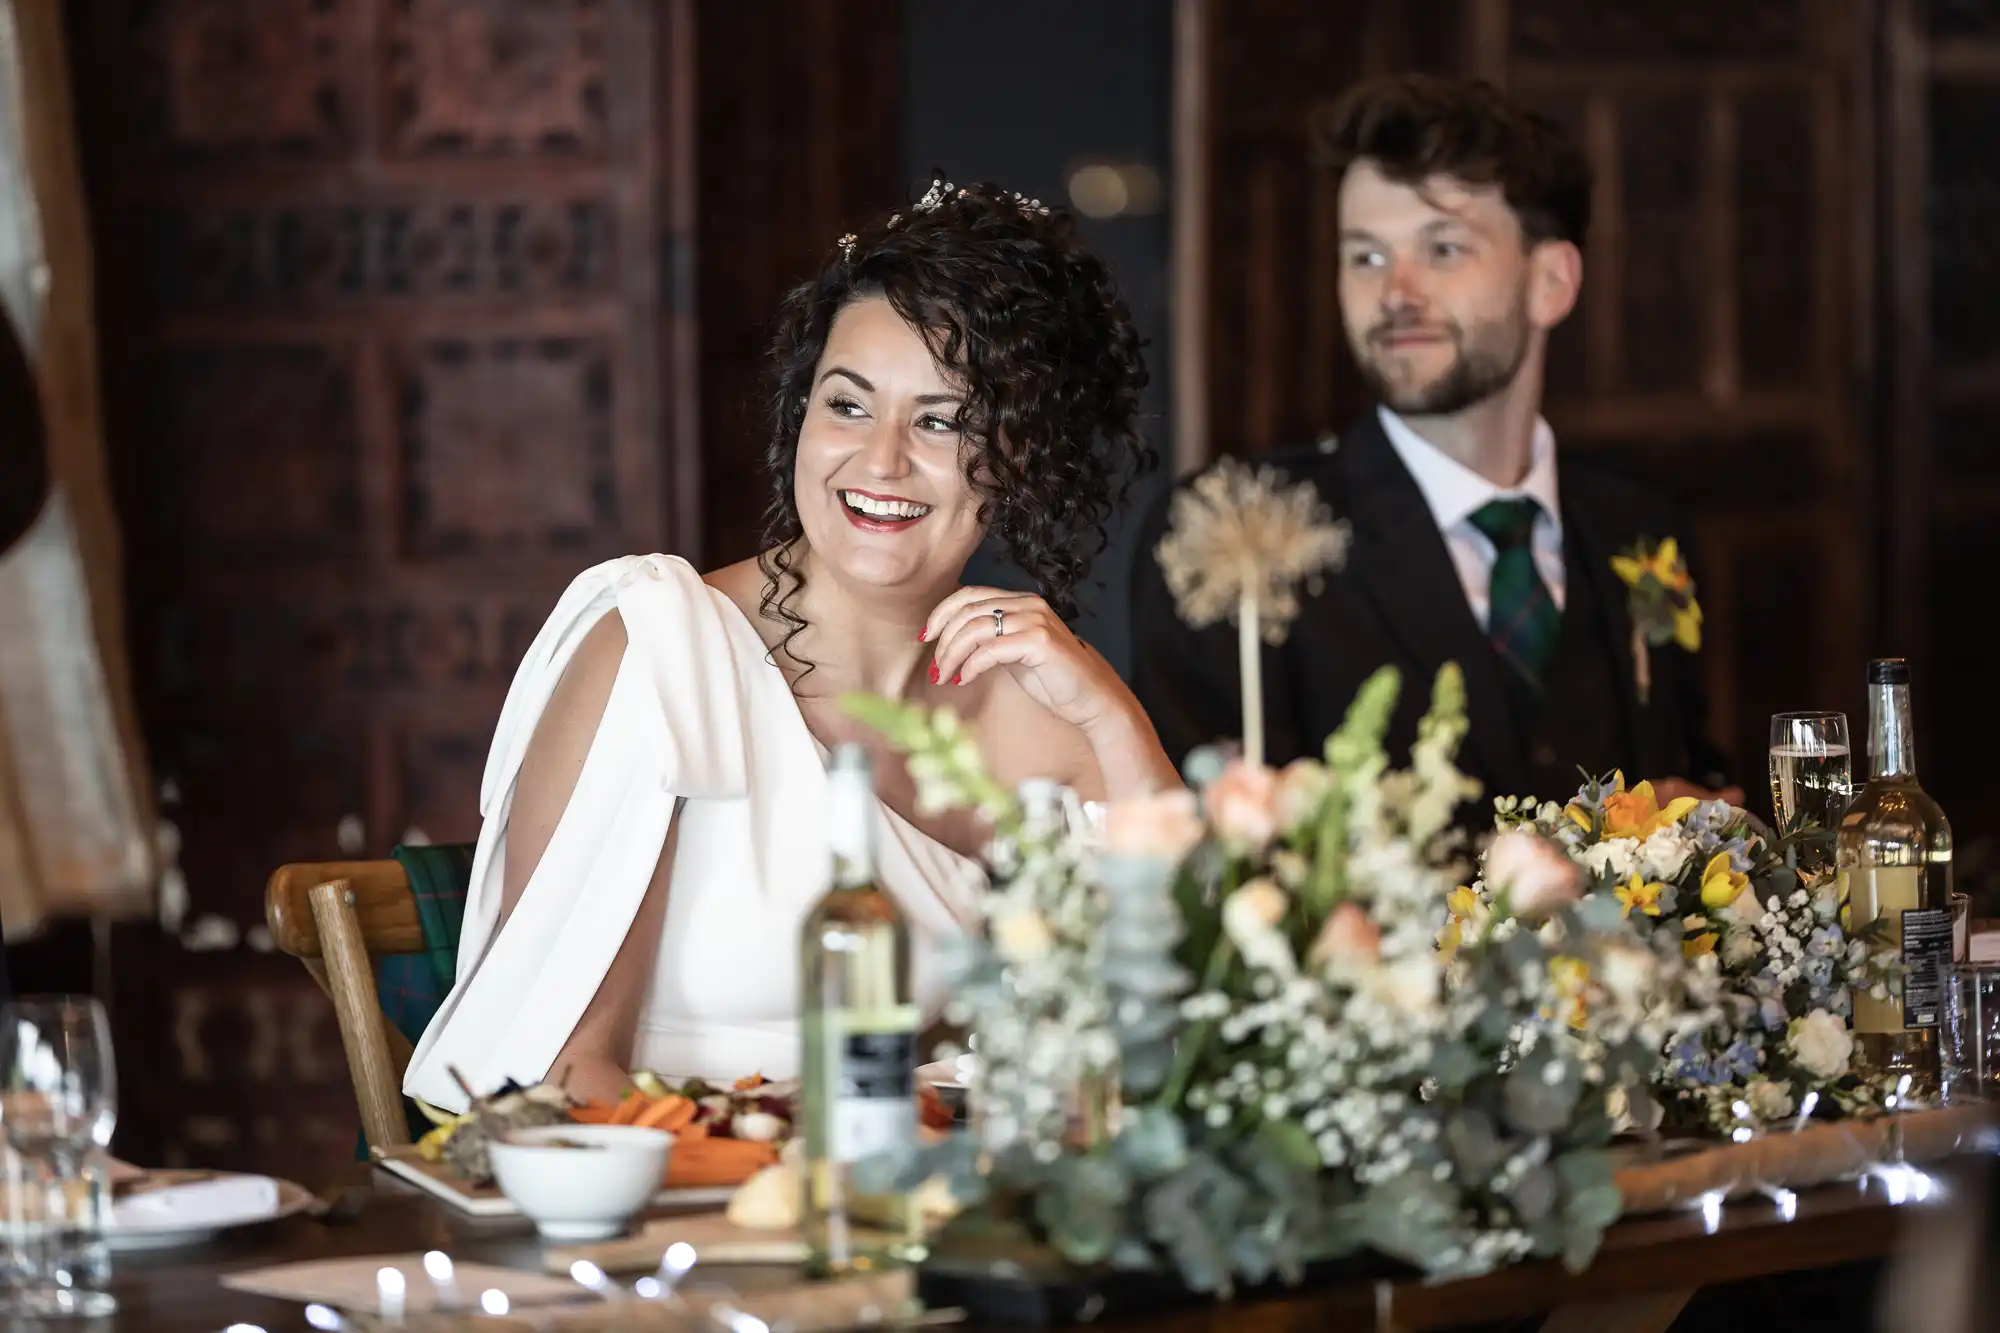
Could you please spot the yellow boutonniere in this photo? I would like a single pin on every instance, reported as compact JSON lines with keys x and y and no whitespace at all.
{"x":1662,"y":604}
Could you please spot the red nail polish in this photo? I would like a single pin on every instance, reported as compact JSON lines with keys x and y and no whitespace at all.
{"x":924,"y":634}
{"x":934,"y":673}
{"x":958,"y":680}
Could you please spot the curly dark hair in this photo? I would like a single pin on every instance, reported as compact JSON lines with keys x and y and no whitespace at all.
{"x":1416,"y":126}
{"x":1027,"y":318}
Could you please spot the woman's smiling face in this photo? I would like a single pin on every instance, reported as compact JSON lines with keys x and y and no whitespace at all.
{"x":880,"y":479}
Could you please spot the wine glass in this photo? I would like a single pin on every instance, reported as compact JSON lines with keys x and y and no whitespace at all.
{"x":58,"y":1105}
{"x":1812,"y":777}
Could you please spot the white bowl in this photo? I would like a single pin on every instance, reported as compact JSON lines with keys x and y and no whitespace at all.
{"x":583,"y":1193}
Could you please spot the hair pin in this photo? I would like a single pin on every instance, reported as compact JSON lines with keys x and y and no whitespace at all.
{"x":934,"y":198}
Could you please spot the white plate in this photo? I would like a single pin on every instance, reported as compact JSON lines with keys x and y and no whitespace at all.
{"x":490,"y":1202}
{"x":172,"y":1235}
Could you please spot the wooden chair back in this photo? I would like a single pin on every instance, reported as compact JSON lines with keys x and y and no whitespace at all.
{"x":336,"y":917}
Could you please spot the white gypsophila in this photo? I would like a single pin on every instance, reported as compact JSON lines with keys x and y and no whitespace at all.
{"x":1048,"y":1027}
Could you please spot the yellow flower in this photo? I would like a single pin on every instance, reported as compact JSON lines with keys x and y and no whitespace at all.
{"x":1635,"y":813}
{"x":1665,"y":567}
{"x":1720,"y":885}
{"x":1637,"y":893}
{"x":1696,"y":946}
{"x":1570,"y":977}
{"x":1463,"y":905}
{"x":1687,"y":625}
{"x":1664,"y":564}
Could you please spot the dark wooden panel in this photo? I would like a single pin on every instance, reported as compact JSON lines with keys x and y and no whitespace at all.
{"x":381,"y":293}
{"x":1779,"y":247}
{"x":1941,"y":461}
{"x":799,"y":143}
{"x":1962,"y":221}
{"x":1663,"y":254}
{"x":1647,"y":30}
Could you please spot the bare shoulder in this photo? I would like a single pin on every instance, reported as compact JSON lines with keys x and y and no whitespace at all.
{"x":743,"y":583}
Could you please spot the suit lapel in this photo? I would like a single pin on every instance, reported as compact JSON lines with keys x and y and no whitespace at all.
{"x":1590,"y":539}
{"x":1400,"y":563}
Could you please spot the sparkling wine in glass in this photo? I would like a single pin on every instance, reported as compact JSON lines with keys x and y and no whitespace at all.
{"x":58,"y":1105}
{"x":1812,"y":777}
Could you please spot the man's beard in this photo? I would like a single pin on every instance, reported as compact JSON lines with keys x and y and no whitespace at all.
{"x":1482,"y":365}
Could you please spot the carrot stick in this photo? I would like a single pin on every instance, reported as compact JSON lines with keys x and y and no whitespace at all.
{"x":629,"y":1109}
{"x":669,"y":1113}
{"x":713,"y":1161}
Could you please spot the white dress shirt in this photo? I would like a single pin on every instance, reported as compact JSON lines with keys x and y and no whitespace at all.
{"x":1455,"y":492}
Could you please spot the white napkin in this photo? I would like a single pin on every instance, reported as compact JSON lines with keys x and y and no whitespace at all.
{"x":198,"y":1203}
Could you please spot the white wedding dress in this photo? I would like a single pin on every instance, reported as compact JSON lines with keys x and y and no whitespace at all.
{"x":701,"y":727}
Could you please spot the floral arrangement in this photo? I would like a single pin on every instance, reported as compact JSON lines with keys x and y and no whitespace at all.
{"x":1300,"y":1073}
{"x":1661,"y":603}
{"x":1705,"y":875}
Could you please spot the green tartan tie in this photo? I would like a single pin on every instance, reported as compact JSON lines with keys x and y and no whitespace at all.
{"x":1521,"y":617}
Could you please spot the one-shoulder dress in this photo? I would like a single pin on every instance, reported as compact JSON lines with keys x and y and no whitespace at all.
{"x":701,"y":730}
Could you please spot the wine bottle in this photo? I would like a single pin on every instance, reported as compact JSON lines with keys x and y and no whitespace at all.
{"x":1893,"y":854}
{"x":858,"y":1029}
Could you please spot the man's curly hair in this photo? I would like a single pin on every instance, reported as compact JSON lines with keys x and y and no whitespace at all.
{"x":1026,"y":318}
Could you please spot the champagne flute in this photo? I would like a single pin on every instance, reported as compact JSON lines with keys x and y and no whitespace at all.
{"x":1812,"y":777}
{"x":58,"y":1105}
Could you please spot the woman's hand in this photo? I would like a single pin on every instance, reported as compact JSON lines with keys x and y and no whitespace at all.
{"x":1057,"y":670}
{"x":978,"y":630}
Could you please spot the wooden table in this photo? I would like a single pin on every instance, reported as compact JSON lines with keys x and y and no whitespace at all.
{"x":1637,"y":1282}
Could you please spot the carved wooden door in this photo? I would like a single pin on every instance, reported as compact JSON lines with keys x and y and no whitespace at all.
{"x":386,"y":351}
{"x":1723,"y":314}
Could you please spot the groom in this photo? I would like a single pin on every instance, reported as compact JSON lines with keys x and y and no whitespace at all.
{"x":1462,"y":222}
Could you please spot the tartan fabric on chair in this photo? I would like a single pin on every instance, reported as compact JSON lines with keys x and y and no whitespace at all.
{"x":413,"y":986}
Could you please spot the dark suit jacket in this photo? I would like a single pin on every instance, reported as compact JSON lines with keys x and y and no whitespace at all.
{"x":1398,"y":600}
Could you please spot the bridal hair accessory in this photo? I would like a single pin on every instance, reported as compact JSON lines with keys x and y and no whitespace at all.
{"x":940,"y":191}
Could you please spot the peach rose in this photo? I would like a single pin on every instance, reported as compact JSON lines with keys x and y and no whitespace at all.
{"x":1243,"y":806}
{"x":1250,"y":917}
{"x":1537,"y":876}
{"x":1348,"y":936}
{"x":1163,"y":826}
{"x":1302,"y":785}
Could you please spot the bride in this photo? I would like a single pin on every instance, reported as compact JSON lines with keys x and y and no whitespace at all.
{"x":652,"y":801}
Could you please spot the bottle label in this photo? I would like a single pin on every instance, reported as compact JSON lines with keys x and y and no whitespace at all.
{"x":1927,"y":945}
{"x":875,"y":1092}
